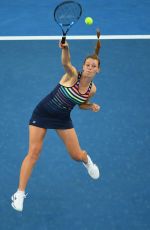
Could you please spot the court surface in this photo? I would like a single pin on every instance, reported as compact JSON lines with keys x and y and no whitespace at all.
{"x":60,"y":193}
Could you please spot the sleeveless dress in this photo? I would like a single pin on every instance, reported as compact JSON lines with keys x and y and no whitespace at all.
{"x":53,"y":112}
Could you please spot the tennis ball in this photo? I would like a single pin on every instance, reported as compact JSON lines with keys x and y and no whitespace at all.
{"x":88,"y":21}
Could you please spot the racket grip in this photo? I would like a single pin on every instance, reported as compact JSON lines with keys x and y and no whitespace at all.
{"x":63,"y":40}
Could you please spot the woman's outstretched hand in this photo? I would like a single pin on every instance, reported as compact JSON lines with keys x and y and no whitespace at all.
{"x":95,"y":107}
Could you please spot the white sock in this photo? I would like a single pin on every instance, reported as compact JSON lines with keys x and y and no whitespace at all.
{"x":21,"y":192}
{"x":89,"y":160}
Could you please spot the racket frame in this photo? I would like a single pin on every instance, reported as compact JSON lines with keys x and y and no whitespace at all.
{"x":68,"y":25}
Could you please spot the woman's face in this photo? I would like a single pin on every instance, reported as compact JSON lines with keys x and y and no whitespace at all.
{"x":90,"y":67}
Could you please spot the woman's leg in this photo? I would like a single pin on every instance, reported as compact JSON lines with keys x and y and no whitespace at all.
{"x":71,"y":142}
{"x":36,"y":136}
{"x":70,"y":139}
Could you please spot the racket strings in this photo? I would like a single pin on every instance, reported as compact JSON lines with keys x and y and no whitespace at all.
{"x":67,"y":14}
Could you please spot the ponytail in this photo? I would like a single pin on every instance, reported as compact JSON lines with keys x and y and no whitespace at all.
{"x":97,"y":49}
{"x":98,"y":44}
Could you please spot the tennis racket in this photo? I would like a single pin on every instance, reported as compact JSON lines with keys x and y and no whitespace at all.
{"x":66,"y":14}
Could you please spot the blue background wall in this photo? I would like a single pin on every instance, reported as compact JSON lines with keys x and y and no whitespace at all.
{"x":20,"y":17}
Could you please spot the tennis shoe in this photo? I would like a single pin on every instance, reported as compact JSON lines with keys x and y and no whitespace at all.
{"x":17,"y":200}
{"x":92,"y":168}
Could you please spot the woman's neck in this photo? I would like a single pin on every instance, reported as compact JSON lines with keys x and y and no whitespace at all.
{"x":84,"y":80}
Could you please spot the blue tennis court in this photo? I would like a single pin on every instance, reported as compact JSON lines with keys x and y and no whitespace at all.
{"x":61,"y":195}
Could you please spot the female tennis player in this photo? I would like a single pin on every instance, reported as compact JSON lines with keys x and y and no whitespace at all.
{"x":53,"y":112}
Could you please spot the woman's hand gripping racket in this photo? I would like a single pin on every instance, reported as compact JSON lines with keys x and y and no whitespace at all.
{"x":66,"y":14}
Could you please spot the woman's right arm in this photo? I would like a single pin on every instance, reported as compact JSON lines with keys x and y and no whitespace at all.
{"x":66,"y":61}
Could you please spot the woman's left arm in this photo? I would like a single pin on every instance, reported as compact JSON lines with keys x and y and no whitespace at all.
{"x":88,"y":105}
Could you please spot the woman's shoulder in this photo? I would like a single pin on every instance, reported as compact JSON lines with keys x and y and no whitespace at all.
{"x":68,"y":80}
{"x":93,"y":89}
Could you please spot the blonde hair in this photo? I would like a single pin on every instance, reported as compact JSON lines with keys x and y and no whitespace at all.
{"x":97,"y":49}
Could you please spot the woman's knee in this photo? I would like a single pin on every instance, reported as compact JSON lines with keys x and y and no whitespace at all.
{"x":34,"y":152}
{"x":78,"y":156}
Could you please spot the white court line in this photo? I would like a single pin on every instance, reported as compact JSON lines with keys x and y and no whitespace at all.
{"x":84,"y":37}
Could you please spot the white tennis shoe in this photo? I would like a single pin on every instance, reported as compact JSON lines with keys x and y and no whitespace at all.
{"x":92,"y":168}
{"x":17,"y":200}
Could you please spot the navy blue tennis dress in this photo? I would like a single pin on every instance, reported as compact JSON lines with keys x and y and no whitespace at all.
{"x":53,"y":112}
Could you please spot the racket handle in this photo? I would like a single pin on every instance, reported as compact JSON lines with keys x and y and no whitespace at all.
{"x":63,"y":40}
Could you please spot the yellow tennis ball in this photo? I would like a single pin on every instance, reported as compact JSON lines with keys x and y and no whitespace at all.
{"x":88,"y":21}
